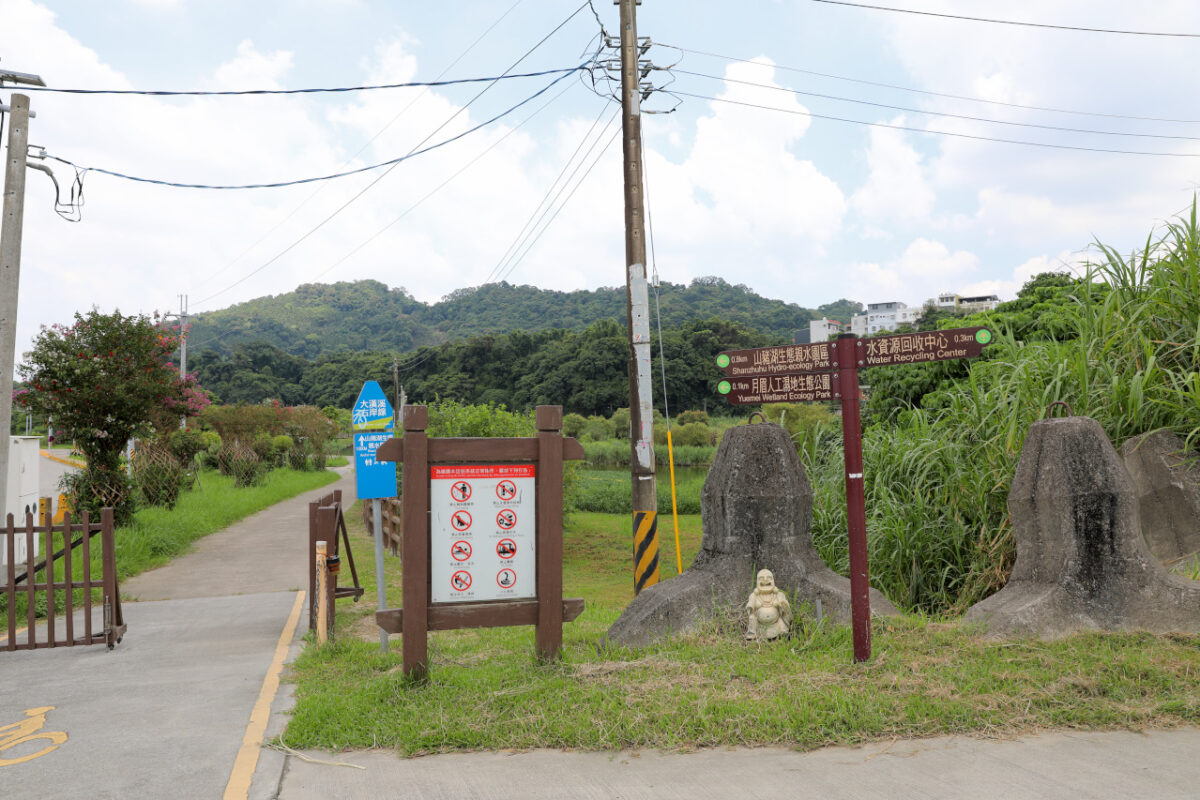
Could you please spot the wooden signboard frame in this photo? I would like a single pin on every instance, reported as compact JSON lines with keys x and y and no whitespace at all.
{"x":417,"y":616}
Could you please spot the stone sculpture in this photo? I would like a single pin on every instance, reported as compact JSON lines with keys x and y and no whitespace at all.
{"x":768,"y":609}
{"x":1082,"y":563}
{"x":1167,"y":481}
{"x":757,"y":509}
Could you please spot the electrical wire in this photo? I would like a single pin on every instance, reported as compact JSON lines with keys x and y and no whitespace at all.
{"x":901,"y":88}
{"x":939,"y":133}
{"x":1008,"y":21}
{"x":321,"y":187}
{"x":330,"y":90}
{"x":938,"y":113}
{"x":387,"y":171}
{"x":441,"y":185}
{"x":530,"y":223}
{"x":299,"y":181}
{"x":561,"y":206}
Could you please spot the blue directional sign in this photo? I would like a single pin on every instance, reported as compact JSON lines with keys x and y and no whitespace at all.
{"x":373,"y":422}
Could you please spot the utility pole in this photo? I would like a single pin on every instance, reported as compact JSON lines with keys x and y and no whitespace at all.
{"x":183,"y":331}
{"x":10,"y":257}
{"x":641,"y":413}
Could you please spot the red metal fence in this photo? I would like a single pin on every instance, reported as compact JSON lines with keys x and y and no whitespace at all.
{"x":68,"y":584}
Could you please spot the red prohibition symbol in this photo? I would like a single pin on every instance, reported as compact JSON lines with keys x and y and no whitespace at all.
{"x":460,"y":551}
{"x":506,"y":578}
{"x":506,"y":548}
{"x":461,"y":580}
{"x":460,"y":491}
{"x":507,"y":519}
{"x":506,"y":490}
{"x":460,"y":520}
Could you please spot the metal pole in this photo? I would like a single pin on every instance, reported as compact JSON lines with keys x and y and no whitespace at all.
{"x":641,"y":414}
{"x":380,"y":585}
{"x":849,"y":356}
{"x":10,"y":270}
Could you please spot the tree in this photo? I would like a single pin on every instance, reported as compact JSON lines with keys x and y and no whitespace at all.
{"x":103,"y":379}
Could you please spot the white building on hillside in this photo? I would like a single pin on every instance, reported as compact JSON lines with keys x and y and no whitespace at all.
{"x":819,"y":330}
{"x":883,"y":317}
{"x":985,"y":302}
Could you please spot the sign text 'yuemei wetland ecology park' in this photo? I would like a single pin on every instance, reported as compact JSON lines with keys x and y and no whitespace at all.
{"x":800,"y":373}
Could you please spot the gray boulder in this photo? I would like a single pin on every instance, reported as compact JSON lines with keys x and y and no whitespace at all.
{"x":1082,"y":563}
{"x":757,"y":514}
{"x":1168,"y":493}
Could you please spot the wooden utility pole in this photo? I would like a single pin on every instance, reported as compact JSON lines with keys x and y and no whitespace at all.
{"x":10,"y":269}
{"x":641,"y":414}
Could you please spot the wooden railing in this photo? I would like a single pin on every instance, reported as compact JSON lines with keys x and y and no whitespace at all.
{"x":67,"y":587}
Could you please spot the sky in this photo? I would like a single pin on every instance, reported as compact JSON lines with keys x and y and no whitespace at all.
{"x":783,"y":199}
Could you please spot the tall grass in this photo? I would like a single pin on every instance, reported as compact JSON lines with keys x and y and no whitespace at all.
{"x":937,"y":477}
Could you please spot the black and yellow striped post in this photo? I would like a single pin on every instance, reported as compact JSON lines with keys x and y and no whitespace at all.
{"x":645,"y":549}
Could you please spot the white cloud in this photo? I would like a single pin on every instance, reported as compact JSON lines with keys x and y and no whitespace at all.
{"x":925,"y":268}
{"x":896,"y":190}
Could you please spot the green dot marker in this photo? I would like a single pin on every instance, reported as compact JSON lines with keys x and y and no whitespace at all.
{"x":983,"y":336}
{"x":724,"y":387}
{"x":722,"y":361}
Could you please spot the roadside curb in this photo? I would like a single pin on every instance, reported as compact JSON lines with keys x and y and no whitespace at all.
{"x":67,"y":461}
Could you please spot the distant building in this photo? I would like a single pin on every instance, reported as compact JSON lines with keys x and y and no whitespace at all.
{"x":883,"y":317}
{"x":985,"y":302}
{"x":819,"y":330}
{"x":946,"y":301}
{"x":800,"y":337}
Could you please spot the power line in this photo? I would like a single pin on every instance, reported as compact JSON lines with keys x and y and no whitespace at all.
{"x":1008,"y":21}
{"x":562,"y":205}
{"x":936,"y":113}
{"x":387,"y":171}
{"x":938,"y":133}
{"x":321,"y":187}
{"x":530,"y":223}
{"x":901,"y":88}
{"x":299,"y":181}
{"x":327,"y":90}
{"x":441,"y":185}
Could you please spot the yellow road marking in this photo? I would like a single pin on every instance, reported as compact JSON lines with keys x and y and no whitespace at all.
{"x":238,"y":787}
{"x":28,"y":730}
{"x":18,"y":632}
{"x":60,"y":460}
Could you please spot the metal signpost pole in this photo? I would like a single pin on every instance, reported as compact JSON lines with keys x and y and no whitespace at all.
{"x":380,"y":586}
{"x":849,"y":357}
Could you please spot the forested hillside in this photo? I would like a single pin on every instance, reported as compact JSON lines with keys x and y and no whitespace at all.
{"x":321,"y":319}
{"x":584,"y":371}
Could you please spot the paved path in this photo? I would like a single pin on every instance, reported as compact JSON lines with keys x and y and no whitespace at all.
{"x":164,"y":714}
{"x":1080,"y":766}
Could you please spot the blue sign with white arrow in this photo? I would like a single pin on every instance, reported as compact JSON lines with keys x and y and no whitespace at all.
{"x":373,"y":422}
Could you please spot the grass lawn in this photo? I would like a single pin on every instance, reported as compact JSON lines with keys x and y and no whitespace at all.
{"x":156,"y":535}
{"x":711,"y":688}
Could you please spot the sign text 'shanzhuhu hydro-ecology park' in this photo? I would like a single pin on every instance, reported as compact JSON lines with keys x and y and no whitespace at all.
{"x":802,"y":373}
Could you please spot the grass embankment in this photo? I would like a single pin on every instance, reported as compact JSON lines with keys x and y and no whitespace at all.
{"x":157,"y":535}
{"x":711,"y":688}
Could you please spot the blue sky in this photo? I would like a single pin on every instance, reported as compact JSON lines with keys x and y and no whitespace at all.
{"x":804,"y":209}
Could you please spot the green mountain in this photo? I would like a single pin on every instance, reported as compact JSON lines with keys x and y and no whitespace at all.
{"x":322,"y":319}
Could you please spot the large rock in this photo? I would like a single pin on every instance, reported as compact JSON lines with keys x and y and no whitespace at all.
{"x":757,"y":513}
{"x":1081,"y":561}
{"x":1167,"y":484}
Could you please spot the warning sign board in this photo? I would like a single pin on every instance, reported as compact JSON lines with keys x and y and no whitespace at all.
{"x":482,"y":532}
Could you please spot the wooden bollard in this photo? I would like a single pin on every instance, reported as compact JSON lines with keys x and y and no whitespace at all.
{"x":322,"y":594}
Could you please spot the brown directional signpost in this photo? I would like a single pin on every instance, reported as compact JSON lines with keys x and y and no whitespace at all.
{"x":829,"y":371}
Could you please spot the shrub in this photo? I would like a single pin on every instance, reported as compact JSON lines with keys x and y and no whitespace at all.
{"x":185,"y":444}
{"x":693,"y":416}
{"x":620,"y":421}
{"x":157,"y":474}
{"x":573,"y":424}
{"x":693,"y":434}
{"x":297,"y":457}
{"x":92,"y":490}
{"x":597,"y":429}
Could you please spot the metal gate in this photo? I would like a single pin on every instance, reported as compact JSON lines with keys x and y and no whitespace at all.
{"x":53,"y":602}
{"x":326,"y":524}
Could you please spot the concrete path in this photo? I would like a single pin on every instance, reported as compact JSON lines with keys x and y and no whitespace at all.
{"x":1081,"y":766}
{"x":165,"y":713}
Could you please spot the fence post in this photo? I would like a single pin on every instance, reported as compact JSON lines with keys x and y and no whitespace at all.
{"x":548,"y":534}
{"x":322,"y":594}
{"x":415,"y":548}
